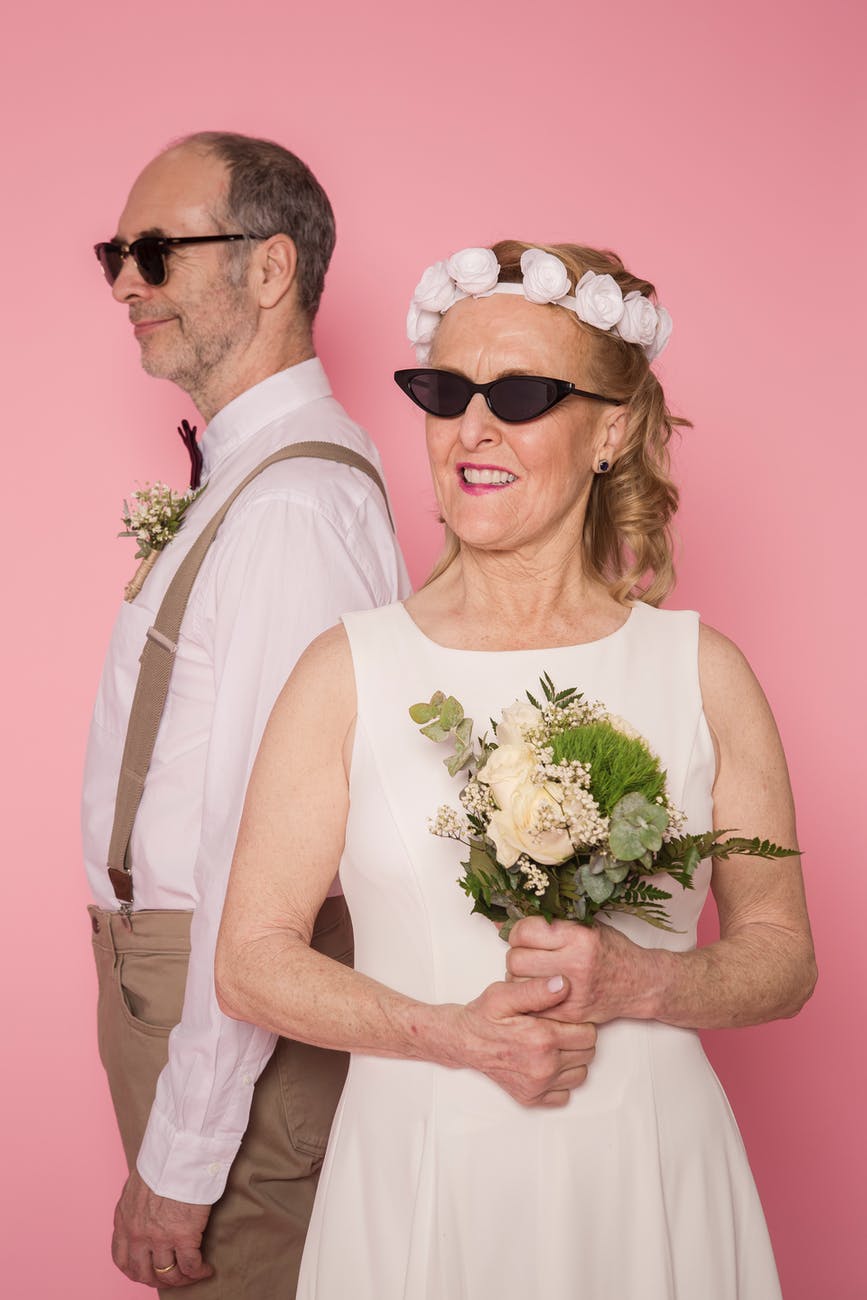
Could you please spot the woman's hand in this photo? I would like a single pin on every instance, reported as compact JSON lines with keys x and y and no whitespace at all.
{"x":500,"y":1034}
{"x":608,"y":975}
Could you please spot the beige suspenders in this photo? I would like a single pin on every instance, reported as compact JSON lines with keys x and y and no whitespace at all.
{"x":157,"y":660}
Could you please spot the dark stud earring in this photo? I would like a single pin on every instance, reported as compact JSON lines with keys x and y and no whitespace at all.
{"x":603,"y":467}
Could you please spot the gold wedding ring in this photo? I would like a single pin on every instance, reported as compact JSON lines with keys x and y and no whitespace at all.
{"x":168,"y":1268}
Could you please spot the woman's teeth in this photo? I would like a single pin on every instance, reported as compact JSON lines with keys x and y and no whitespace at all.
{"x":487,"y":475}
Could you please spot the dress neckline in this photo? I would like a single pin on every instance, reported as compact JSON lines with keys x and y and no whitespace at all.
{"x":536,"y":650}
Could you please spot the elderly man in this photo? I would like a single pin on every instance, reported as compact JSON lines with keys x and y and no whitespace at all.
{"x":220,"y":257}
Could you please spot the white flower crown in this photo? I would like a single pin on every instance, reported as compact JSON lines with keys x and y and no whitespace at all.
{"x":597,"y":300}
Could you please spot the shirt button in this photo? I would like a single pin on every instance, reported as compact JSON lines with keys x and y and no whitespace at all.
{"x":214,"y":1168}
{"x":247,"y":1078}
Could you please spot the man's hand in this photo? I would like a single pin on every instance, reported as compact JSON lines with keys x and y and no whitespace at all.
{"x":157,"y":1241}
{"x":609,"y":976}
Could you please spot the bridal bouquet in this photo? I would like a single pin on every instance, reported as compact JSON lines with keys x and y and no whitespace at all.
{"x":566,"y":813}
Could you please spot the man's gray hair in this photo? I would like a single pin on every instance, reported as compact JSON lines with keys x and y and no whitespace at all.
{"x":272,"y":192}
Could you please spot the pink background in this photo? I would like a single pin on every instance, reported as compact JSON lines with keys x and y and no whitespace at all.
{"x":718,"y":148}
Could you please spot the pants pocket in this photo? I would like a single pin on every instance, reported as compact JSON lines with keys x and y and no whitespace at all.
{"x":151,"y":987}
{"x":311,"y":1081}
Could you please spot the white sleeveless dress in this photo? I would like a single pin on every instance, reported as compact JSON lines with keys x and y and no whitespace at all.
{"x":436,"y":1184}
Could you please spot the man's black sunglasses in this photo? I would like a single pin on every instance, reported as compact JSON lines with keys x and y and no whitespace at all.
{"x":512,"y":398}
{"x":149,"y":254}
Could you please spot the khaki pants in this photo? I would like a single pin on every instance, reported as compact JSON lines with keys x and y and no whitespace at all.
{"x":256,"y":1231}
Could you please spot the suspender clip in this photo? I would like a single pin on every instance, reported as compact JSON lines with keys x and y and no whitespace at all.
{"x":153,"y":634}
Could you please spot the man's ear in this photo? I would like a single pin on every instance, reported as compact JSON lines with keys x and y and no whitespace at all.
{"x":277,"y":260}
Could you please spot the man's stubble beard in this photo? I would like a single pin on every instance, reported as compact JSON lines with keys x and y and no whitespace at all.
{"x":207,"y":335}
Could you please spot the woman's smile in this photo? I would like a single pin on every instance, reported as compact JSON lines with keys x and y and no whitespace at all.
{"x":478,"y":479}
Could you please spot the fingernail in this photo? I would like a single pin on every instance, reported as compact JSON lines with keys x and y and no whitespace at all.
{"x":555,"y":984}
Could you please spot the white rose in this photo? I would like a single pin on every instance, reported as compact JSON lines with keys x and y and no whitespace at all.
{"x":639,"y":321}
{"x":506,"y":768}
{"x":421,"y":325}
{"x":511,"y":829}
{"x":474,"y":270}
{"x":501,"y":829}
{"x":599,"y":299}
{"x":436,"y":290}
{"x":663,"y":334}
{"x":517,"y":718}
{"x":545,"y":277}
{"x":625,"y":728}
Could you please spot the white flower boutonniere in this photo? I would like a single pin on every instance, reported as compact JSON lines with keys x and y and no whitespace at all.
{"x":153,"y":515}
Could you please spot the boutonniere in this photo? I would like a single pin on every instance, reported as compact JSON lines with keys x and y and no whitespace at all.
{"x":153,"y":515}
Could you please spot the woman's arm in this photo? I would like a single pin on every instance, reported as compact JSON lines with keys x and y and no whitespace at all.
{"x":288,"y":850}
{"x":763,"y":966}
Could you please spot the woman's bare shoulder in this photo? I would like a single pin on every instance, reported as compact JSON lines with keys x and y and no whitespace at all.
{"x":327,"y":652}
{"x":322,"y":683}
{"x":731,"y":693}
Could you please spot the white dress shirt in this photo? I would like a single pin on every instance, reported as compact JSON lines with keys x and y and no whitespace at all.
{"x":307,"y":541}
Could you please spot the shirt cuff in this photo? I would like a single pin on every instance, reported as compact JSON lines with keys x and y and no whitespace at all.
{"x":185,"y":1166}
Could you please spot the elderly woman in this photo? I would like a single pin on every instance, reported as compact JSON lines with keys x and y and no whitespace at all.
{"x":488,"y":1143}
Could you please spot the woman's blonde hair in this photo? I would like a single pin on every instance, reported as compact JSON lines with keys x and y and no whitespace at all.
{"x":627,"y":529}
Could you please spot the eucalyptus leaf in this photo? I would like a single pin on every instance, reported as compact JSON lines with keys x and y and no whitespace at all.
{"x":464,"y":731}
{"x":451,"y":713}
{"x":617,"y":871}
{"x":651,"y":838}
{"x":423,"y":712}
{"x":639,"y":811}
{"x":435,"y":731}
{"x":458,"y":761}
{"x":599,"y":888}
{"x":625,"y":841}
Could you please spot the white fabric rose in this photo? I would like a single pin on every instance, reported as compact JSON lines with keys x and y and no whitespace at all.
{"x":505,"y":769}
{"x":516,"y":718}
{"x":421,"y":325}
{"x":474,"y":270}
{"x":663,"y":334}
{"x":545,"y":277}
{"x":436,"y":290}
{"x":599,"y":300}
{"x":511,"y":829}
{"x":639,"y":321}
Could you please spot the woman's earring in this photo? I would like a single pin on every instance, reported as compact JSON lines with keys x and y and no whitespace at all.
{"x":603,"y":467}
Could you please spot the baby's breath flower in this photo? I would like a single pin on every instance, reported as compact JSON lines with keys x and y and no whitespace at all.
{"x":571,"y":773}
{"x":546,"y":816}
{"x":449,"y":823}
{"x":535,"y":879}
{"x":676,"y":821}
{"x":477,"y":798}
{"x":153,"y":515}
{"x":587,"y":827}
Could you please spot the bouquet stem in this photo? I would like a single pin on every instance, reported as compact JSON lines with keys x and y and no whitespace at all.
{"x":134,"y":586}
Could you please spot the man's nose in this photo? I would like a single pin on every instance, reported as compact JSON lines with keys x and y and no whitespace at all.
{"x":129,"y":283}
{"x":479,"y":425}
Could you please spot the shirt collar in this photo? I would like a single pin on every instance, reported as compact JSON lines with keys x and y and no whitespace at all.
{"x":259,"y":406}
